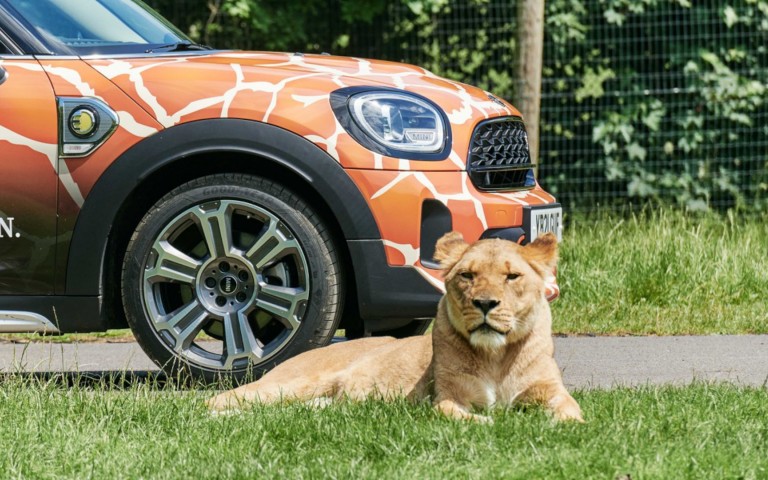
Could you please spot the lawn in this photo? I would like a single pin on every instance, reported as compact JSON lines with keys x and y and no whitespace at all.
{"x":700,"y":431}
{"x":663,"y":273}
{"x":659,"y":273}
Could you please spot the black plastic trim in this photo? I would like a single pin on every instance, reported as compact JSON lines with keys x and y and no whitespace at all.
{"x":70,"y":314}
{"x":513,"y":234}
{"x":436,"y":221}
{"x":340,"y":105}
{"x":264,"y":142}
{"x":389,"y":293}
{"x":3,"y":75}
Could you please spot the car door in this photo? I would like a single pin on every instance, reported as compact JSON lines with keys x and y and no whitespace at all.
{"x":28,"y":177}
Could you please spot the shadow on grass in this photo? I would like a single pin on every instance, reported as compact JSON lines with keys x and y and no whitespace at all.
{"x":110,"y":379}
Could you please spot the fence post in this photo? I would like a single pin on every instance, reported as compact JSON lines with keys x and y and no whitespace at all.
{"x":530,"y":45}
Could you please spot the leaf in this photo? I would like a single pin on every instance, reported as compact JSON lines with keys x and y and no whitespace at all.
{"x":640,"y":188}
{"x":614,"y":17}
{"x":653,"y":119}
{"x":635,"y":151}
{"x":626,"y":132}
{"x":740,"y":118}
{"x":592,"y":83}
{"x":598,"y":132}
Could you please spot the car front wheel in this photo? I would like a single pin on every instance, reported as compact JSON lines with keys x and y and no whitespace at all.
{"x":228,"y":275}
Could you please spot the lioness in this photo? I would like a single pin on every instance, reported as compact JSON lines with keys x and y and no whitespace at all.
{"x":491,"y":343}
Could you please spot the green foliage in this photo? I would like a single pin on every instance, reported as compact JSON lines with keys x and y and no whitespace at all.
{"x":642,"y":100}
{"x":672,"y":111}
{"x":274,"y":25}
{"x":482,"y":55}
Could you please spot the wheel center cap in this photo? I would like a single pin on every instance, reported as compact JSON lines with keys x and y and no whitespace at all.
{"x":228,"y":285}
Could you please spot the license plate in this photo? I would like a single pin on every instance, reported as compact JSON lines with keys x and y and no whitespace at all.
{"x":539,"y":220}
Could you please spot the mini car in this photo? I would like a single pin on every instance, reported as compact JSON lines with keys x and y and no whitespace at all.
{"x":236,"y":208}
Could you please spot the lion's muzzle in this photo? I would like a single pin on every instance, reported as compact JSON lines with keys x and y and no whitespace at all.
{"x":485,"y":304}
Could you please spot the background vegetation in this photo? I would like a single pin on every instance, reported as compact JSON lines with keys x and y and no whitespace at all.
{"x":663,"y":272}
{"x":659,"y":101}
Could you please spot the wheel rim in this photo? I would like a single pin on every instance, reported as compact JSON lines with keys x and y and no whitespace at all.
{"x":233,"y":271}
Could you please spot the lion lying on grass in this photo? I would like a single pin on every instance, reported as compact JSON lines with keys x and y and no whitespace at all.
{"x":491,"y":344}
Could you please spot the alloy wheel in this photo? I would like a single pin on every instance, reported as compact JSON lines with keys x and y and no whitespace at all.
{"x":225,"y":284}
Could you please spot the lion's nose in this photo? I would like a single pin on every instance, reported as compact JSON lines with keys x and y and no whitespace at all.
{"x":485,"y":305}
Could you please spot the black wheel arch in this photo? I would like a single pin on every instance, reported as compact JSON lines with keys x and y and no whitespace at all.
{"x":152,"y":167}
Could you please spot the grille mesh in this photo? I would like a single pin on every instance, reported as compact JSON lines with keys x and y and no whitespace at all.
{"x":498,"y":156}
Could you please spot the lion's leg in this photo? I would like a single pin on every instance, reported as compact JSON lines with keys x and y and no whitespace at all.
{"x":556,"y":399}
{"x":267,"y":391}
{"x":457,"y":411}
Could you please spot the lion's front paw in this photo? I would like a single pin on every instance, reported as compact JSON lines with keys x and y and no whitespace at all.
{"x":565,"y":408}
{"x":452,"y":409}
{"x":483,"y":419}
{"x":567,"y":415}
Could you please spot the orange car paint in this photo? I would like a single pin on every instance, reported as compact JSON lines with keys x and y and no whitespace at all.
{"x":157,"y":92}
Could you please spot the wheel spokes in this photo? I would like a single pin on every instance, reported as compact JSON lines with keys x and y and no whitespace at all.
{"x":282,"y":302}
{"x":271,"y":246}
{"x":172,"y":265}
{"x":184,"y":324}
{"x":216,"y":226}
{"x":232,"y":270}
{"x":239,"y":341}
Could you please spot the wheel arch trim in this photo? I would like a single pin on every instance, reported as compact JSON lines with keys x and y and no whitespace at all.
{"x":263,"y":142}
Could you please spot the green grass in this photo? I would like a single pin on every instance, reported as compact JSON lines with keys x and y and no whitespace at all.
{"x":701,"y":431}
{"x":663,"y":273}
{"x":114,"y":336}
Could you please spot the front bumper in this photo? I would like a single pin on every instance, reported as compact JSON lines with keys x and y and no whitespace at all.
{"x":396,"y":276}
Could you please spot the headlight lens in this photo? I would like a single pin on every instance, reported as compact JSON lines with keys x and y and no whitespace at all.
{"x":393,"y":122}
{"x":399,"y":121}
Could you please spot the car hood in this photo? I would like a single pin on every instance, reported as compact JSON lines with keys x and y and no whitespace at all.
{"x":292,"y":91}
{"x":197,"y":77}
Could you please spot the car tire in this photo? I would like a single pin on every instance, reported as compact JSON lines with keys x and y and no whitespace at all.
{"x":228,"y":275}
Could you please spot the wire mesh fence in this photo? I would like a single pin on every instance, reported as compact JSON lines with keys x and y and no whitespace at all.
{"x":666,"y":104}
{"x":660,"y":101}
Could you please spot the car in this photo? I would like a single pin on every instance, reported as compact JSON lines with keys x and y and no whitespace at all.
{"x":236,"y":208}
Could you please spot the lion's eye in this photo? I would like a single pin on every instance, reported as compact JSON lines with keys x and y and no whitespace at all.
{"x":467,"y":275}
{"x":512,"y":276}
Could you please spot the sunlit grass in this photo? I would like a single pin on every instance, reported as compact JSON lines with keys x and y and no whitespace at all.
{"x":701,"y":431}
{"x":665,"y":273}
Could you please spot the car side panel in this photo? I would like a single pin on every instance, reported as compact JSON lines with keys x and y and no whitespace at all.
{"x":264,"y":144}
{"x":28,"y":180}
{"x":75,"y":78}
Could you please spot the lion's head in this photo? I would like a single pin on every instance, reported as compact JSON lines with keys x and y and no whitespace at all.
{"x":495,"y":288}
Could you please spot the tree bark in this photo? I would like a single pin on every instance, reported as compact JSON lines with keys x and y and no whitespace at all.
{"x":530,"y":42}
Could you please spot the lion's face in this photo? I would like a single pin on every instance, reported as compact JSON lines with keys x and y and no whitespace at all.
{"x":495,"y":288}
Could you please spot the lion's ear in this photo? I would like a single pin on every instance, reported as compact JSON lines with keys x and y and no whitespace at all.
{"x":449,"y":249}
{"x":542,"y":253}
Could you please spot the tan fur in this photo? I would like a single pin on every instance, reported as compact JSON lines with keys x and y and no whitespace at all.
{"x":492,"y":344}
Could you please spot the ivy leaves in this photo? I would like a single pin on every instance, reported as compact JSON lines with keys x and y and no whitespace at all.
{"x":671,"y":112}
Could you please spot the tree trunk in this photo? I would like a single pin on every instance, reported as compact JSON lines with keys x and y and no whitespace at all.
{"x":530,"y":43}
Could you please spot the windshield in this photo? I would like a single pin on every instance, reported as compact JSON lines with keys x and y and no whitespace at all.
{"x":85,"y":27}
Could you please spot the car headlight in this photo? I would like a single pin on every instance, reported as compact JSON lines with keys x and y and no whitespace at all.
{"x":393,"y":122}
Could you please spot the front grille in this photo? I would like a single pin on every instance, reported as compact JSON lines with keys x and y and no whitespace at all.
{"x":499,"y":158}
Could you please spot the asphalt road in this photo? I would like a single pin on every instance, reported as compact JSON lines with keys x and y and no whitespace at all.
{"x":587,"y":362}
